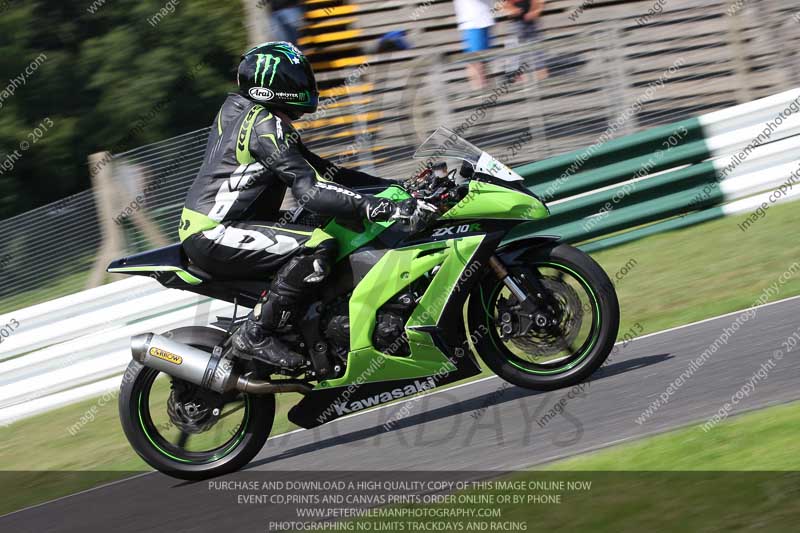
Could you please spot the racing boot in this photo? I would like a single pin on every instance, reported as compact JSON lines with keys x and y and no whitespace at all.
{"x":290,"y":289}
{"x":256,"y":337}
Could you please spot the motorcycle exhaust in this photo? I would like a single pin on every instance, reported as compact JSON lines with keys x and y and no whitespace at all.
{"x":184,"y":362}
{"x":212,"y":371}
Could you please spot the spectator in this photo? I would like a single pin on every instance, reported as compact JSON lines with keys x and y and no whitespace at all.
{"x":392,"y":41}
{"x":524,"y":15}
{"x":474,"y":20}
{"x":287,"y":19}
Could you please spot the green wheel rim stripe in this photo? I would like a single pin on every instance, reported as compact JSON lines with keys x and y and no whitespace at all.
{"x":596,"y":324}
{"x":225,"y":452}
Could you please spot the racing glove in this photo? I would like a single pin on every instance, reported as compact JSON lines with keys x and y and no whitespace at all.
{"x":408,"y":211}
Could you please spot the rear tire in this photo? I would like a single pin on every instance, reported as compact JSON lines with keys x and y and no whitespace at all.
{"x":594,"y":351}
{"x":145,"y":438}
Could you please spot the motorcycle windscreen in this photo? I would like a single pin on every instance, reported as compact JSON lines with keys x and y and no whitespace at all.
{"x":444,"y":143}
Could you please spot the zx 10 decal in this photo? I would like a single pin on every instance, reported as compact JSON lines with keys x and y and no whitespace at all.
{"x":454,"y":230}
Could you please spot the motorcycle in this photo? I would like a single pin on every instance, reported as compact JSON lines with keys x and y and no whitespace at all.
{"x":407,"y":308}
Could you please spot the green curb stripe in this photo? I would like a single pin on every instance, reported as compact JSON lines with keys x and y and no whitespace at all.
{"x":687,"y":179}
{"x":624,"y":170}
{"x":667,"y":225}
{"x":624,"y":218}
{"x":700,"y":174}
{"x":597,"y":156}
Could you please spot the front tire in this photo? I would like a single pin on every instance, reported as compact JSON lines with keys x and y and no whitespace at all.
{"x":147,"y":426}
{"x":588,"y":332}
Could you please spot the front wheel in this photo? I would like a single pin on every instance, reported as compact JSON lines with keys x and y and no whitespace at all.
{"x":561,"y":334}
{"x":188,"y":432}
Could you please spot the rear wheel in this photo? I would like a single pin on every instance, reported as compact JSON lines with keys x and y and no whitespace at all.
{"x":564,"y":337}
{"x":188,"y":432}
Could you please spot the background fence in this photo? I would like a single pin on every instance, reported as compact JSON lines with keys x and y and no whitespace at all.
{"x":610,"y":81}
{"x":603,"y":65}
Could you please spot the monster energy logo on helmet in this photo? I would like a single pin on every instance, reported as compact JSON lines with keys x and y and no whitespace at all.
{"x":265,"y":63}
{"x":268,"y":63}
{"x":279,"y":73}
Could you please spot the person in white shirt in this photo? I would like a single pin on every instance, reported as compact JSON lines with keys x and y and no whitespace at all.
{"x":475,"y":18}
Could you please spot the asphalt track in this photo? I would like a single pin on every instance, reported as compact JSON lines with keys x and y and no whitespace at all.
{"x":481,"y":426}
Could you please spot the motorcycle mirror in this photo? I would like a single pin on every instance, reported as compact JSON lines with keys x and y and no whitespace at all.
{"x":466,"y":171}
{"x":440,"y":169}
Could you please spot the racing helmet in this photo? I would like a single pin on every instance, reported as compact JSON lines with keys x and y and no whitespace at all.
{"x":277,"y":74}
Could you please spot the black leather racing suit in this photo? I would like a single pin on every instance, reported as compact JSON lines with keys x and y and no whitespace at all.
{"x":230,"y":224}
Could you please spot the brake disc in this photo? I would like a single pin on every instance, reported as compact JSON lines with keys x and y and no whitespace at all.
{"x":193,"y":409}
{"x":541,"y":339}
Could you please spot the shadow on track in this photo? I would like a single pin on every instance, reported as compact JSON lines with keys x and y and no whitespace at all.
{"x":473,"y":404}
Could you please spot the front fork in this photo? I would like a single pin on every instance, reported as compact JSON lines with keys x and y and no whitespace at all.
{"x":533,"y":311}
{"x":502,"y":274}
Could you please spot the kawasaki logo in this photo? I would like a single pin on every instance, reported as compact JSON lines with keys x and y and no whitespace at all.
{"x":384,"y":397}
{"x":264,"y":64}
{"x":260,"y":93}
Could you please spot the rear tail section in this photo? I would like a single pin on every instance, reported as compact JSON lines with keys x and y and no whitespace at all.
{"x":163,"y":264}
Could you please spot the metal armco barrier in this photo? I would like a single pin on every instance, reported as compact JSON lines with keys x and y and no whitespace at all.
{"x":721,"y":163}
{"x":661,"y":179}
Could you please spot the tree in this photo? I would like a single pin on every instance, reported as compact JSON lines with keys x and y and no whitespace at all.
{"x":109,"y":75}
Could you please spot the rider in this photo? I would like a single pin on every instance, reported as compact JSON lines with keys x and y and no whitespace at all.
{"x":230,"y":224}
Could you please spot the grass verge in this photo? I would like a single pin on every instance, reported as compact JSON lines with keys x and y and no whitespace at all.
{"x":764,"y":440}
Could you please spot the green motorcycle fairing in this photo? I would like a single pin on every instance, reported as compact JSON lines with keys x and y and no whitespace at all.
{"x":398,"y":268}
{"x":350,"y":240}
{"x":487,"y":200}
{"x":395,"y":271}
{"x":439,"y":350}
